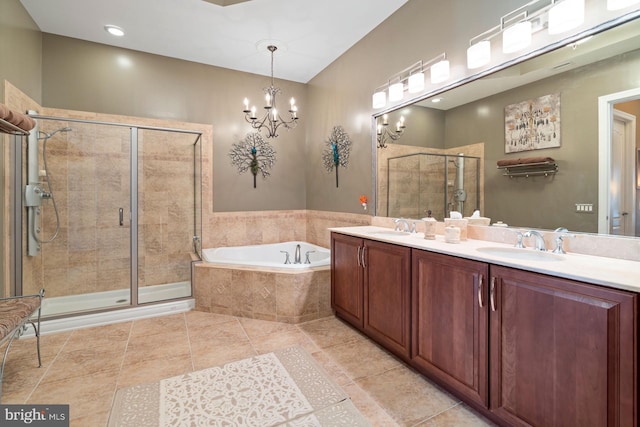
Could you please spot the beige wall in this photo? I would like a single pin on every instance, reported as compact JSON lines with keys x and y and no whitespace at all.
{"x":20,"y":49}
{"x":341,"y":93}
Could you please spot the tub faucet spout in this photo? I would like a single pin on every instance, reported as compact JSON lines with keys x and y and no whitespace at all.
{"x":296,"y":257}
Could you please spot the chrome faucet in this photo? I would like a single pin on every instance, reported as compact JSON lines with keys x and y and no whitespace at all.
{"x":296,"y":256}
{"x":564,"y":233}
{"x":519,"y":241}
{"x":307,"y":260}
{"x":540,"y":246}
{"x":286,"y":259}
{"x":401,"y":221}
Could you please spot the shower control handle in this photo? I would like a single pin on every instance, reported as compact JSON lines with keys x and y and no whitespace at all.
{"x":121,"y":211}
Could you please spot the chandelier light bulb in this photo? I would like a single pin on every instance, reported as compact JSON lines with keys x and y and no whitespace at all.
{"x":479,"y":54}
{"x":379,"y":99}
{"x":566,"y":15}
{"x":620,"y":4}
{"x":396,"y":92}
{"x":440,"y":72}
{"x":516,"y":37}
{"x":416,"y":82}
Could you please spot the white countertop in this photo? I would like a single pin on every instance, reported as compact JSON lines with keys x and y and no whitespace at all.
{"x":611,"y":272}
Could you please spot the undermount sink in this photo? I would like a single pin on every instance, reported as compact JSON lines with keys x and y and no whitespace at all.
{"x":389,"y":233}
{"x":521,"y":254}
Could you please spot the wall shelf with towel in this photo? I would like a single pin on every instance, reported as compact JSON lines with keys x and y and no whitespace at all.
{"x":528,"y":167}
{"x":10,"y":128}
{"x":14,"y":122}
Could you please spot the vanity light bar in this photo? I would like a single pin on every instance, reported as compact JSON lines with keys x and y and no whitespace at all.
{"x":414,"y":76}
{"x":516,"y":28}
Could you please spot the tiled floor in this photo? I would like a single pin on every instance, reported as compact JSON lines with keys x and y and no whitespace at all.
{"x":84,"y":368}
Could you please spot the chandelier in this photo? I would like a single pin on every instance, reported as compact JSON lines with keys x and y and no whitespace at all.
{"x":272,"y":119}
{"x":384,"y":134}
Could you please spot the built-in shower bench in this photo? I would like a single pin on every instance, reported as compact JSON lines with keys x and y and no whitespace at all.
{"x":15,"y":313}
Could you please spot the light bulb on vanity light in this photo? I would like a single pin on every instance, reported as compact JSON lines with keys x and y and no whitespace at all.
{"x":516,"y":37}
{"x":440,"y":71}
{"x":416,"y":82}
{"x":479,"y":54}
{"x":396,"y":92}
{"x":566,"y":15}
{"x":379,"y":99}
{"x":620,"y":4}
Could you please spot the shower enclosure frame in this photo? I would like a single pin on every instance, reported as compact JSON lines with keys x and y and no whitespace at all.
{"x":18,"y":214}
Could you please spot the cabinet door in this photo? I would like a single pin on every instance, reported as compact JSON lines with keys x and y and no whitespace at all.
{"x":387,"y":295}
{"x":346,"y":278}
{"x":563,"y":353}
{"x":450,"y":322}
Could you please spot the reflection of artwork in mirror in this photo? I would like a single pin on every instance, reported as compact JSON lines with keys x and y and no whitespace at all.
{"x":532,"y":124}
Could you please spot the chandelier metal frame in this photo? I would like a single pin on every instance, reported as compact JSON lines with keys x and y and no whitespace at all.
{"x":272,"y":120}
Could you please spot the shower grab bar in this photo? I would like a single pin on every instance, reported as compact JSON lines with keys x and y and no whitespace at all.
{"x":121,"y":217}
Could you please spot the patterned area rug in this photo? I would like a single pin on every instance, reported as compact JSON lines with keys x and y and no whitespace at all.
{"x":283,"y":388}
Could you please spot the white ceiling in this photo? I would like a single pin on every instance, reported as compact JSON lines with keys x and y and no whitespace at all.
{"x":310,"y":34}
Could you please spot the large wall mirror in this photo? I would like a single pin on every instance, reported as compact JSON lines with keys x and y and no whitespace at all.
{"x":466,"y":133}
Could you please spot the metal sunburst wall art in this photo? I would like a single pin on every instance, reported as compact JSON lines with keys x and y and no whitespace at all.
{"x":337,"y":152}
{"x":253,"y":154}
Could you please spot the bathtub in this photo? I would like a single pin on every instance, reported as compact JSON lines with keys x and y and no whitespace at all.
{"x":269,"y":255}
{"x":254,"y":282}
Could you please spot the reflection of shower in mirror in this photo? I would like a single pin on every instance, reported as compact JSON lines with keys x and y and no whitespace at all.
{"x":458,"y":193}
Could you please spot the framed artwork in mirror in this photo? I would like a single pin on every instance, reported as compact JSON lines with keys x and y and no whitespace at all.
{"x":533,"y":124}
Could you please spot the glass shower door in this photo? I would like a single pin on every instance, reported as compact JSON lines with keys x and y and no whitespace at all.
{"x":167,"y":219}
{"x":87,"y":265}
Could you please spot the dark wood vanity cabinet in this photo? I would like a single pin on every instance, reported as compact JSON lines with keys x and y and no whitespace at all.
{"x":450,"y":322}
{"x":347,"y":278}
{"x":370,"y":283}
{"x":563,"y":353}
{"x":526,"y":349}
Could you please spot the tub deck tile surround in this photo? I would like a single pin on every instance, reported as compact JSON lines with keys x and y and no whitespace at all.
{"x":282,"y":296}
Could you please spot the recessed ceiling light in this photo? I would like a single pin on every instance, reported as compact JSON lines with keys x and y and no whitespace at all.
{"x":436,"y":100}
{"x":114,"y":30}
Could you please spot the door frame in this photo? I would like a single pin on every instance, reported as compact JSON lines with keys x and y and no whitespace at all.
{"x":605,"y":129}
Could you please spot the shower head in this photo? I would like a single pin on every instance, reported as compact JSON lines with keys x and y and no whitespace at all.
{"x":49,"y":135}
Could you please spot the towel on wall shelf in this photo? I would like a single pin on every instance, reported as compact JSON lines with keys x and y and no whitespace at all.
{"x":20,"y":120}
{"x":524,"y":161}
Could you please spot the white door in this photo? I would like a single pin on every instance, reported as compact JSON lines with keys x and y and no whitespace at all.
{"x":621,"y":185}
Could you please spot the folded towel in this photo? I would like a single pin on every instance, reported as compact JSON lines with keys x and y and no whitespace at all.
{"x":20,"y":120}
{"x":524,"y":161}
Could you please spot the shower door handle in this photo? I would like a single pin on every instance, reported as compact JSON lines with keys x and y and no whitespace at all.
{"x":121,"y":211}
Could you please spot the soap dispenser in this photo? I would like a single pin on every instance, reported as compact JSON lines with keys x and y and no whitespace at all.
{"x":429,"y":226}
